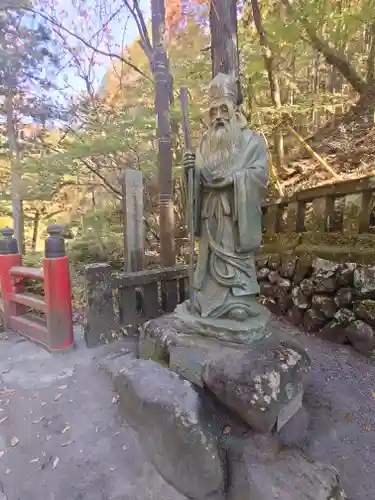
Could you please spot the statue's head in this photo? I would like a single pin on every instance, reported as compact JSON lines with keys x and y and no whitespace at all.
{"x":223,"y":127}
{"x":222,"y":94}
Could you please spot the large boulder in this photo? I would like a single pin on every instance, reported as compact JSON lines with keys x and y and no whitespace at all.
{"x":258,"y":384}
{"x":262,"y":273}
{"x":365,"y":310}
{"x":345,"y":274}
{"x":261,"y":471}
{"x":362,"y":337}
{"x":300,"y":299}
{"x":176,"y":427}
{"x":313,"y":320}
{"x":344,"y":297}
{"x":288,"y":266}
{"x":295,"y":316}
{"x":324,"y":276}
{"x":364,"y":281}
{"x":324,"y":304}
{"x":302,"y":269}
{"x":335,"y":330}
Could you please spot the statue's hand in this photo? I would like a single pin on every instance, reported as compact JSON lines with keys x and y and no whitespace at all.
{"x":221,"y":182}
{"x":188,"y":160}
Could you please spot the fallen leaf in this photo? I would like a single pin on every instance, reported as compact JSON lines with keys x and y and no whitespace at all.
{"x":65,"y":429}
{"x":34,"y":460}
{"x":3,"y":419}
{"x":38,"y":421}
{"x":373,"y":394}
{"x":349,"y":417}
{"x":45,"y":463}
{"x":8,"y":392}
{"x":367,"y":427}
{"x":55,"y":462}
{"x":227,"y":430}
{"x":63,"y":387}
{"x":7,"y":472}
{"x":14,"y":441}
{"x":58,"y":396}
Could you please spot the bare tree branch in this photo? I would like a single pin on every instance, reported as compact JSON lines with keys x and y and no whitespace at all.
{"x":88,"y":44}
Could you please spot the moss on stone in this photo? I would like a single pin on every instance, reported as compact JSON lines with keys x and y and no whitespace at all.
{"x":322,"y":238}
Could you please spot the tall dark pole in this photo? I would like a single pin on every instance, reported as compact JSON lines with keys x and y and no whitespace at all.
{"x":165,"y":157}
{"x":224,"y":39}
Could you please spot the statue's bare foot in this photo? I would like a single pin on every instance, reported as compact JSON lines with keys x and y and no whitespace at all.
{"x":239,"y":314}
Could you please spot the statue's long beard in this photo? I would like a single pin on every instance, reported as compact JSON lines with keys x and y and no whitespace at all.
{"x":219,"y":148}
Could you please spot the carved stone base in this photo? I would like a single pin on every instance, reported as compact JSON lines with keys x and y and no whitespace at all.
{"x":204,"y":451}
{"x":246,"y":332}
{"x":261,"y":382}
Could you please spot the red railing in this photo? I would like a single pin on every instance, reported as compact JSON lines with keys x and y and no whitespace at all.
{"x":52,"y":326}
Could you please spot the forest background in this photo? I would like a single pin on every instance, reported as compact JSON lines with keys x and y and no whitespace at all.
{"x":77,"y":107}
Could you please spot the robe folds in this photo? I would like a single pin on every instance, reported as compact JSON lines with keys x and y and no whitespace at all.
{"x":228,"y":222}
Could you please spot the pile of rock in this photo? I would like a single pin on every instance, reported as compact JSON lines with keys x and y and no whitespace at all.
{"x":222,"y":420}
{"x":337,"y":301}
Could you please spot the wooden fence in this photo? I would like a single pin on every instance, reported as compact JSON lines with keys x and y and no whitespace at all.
{"x":333,"y":221}
{"x":120,"y":304}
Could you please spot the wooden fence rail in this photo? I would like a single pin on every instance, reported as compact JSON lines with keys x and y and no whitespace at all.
{"x":336,"y":218}
{"x":120,"y":304}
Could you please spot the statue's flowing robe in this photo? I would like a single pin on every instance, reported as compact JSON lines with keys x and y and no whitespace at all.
{"x":228,"y":220}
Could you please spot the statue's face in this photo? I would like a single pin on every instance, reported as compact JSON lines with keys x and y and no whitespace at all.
{"x":221,"y":113}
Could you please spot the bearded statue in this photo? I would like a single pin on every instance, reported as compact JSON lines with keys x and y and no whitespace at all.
{"x":230,"y":182}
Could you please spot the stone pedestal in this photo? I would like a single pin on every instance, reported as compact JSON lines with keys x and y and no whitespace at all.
{"x":222,"y":420}
{"x":204,"y":450}
{"x":262,"y":382}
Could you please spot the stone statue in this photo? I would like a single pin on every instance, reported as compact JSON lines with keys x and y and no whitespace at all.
{"x":230,"y":181}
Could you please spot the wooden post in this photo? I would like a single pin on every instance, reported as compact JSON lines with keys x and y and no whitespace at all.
{"x":271,"y":219}
{"x":165,"y":155}
{"x":132,"y":188}
{"x":295,"y":217}
{"x":322,"y":214}
{"x":356,"y":212}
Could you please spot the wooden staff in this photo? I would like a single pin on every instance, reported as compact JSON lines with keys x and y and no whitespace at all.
{"x":184,"y":99}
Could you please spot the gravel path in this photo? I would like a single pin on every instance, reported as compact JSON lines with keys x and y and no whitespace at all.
{"x":340,"y":397}
{"x":60,"y":430}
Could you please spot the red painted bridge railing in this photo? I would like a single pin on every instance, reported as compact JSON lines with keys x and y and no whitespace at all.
{"x":52,"y":323}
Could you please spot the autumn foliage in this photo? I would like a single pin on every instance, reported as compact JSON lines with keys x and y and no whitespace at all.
{"x":176,"y":12}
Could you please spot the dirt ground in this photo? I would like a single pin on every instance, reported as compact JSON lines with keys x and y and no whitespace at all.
{"x":340,"y":398}
{"x":62,"y":437}
{"x":68,"y":441}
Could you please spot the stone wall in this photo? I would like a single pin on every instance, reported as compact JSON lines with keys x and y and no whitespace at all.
{"x":335,"y":301}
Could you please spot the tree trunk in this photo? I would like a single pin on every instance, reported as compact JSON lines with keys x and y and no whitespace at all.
{"x":273,"y":81}
{"x":224,"y":40}
{"x":370,"y":77}
{"x":36,"y":221}
{"x":15,"y":165}
{"x":331,"y":55}
{"x":165,"y":157}
{"x":315,"y":93}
